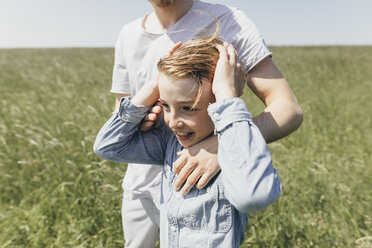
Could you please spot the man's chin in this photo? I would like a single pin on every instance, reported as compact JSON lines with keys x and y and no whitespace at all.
{"x":162,"y":3}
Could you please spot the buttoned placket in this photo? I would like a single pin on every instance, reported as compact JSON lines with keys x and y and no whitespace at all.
{"x":173,"y":227}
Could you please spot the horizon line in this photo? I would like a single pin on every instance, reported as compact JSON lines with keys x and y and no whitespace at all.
{"x":269,"y":45}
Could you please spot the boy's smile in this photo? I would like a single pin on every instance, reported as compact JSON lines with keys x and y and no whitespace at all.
{"x":178,"y":97}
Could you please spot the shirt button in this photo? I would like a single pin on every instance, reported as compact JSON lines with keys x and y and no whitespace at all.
{"x":173,"y":228}
{"x":216,"y":116}
{"x":208,"y":189}
{"x":178,"y":195}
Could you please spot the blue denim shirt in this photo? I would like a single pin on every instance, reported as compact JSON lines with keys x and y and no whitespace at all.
{"x":215,"y":216}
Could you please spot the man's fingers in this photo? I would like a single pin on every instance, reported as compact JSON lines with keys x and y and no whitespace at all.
{"x":190,"y":182}
{"x":243,"y":67}
{"x":203,"y":181}
{"x":156,"y":109}
{"x":146,"y":126}
{"x":238,"y":67}
{"x":183,"y":175}
{"x":179,"y":163}
{"x":150,"y":117}
{"x":205,"y":178}
{"x":158,"y":103}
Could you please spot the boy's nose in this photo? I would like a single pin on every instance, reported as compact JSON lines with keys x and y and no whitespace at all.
{"x":175,"y":121}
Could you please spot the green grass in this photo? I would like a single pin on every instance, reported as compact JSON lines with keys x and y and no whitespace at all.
{"x":55,"y":192}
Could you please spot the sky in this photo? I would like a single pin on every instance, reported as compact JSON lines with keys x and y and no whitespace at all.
{"x":97,"y":23}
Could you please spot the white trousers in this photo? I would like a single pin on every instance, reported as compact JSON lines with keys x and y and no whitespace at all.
{"x":141,"y":219}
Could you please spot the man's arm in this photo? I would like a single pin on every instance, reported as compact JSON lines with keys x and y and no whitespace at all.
{"x":282,"y":114}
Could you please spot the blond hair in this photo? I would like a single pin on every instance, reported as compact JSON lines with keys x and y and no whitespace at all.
{"x":196,"y":59}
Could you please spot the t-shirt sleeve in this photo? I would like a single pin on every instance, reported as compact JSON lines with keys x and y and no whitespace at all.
{"x":247,"y":40}
{"x":120,"y":77}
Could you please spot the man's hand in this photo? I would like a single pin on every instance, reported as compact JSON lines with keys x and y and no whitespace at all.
{"x":151,"y":118}
{"x":197,"y":165}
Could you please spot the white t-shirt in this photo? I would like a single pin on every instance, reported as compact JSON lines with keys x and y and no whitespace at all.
{"x":137,"y":52}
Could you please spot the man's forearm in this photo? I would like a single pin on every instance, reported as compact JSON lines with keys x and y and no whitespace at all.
{"x":282,"y":114}
{"x":279,"y":119}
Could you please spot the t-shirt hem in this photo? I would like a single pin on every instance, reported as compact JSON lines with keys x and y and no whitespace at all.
{"x":119,"y":92}
{"x":133,"y":196}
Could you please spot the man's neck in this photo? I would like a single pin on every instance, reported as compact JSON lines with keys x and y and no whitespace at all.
{"x":165,"y":17}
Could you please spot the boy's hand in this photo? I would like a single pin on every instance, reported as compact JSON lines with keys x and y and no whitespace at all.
{"x":174,"y":48}
{"x":197,"y":165}
{"x":229,"y":79}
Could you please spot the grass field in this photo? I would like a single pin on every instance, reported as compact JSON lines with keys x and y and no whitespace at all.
{"x":55,"y":192}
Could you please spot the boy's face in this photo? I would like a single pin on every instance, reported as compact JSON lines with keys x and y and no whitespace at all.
{"x":178,"y":96}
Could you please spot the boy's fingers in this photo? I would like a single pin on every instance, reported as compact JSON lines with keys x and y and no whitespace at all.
{"x":222,"y":50}
{"x":175,"y":47}
{"x":231,"y":53}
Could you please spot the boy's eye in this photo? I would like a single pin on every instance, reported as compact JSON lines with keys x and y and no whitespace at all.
{"x":187,"y":109}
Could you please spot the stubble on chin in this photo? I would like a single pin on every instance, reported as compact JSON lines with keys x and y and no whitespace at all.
{"x":162,"y":3}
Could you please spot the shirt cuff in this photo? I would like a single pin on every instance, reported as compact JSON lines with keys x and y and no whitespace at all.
{"x":228,"y":111}
{"x":131,"y":113}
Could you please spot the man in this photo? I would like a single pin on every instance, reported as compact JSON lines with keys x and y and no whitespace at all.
{"x":140,"y":45}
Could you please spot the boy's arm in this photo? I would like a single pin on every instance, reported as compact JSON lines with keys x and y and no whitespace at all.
{"x":250,"y":181}
{"x":119,"y":139}
{"x":117,"y":100}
